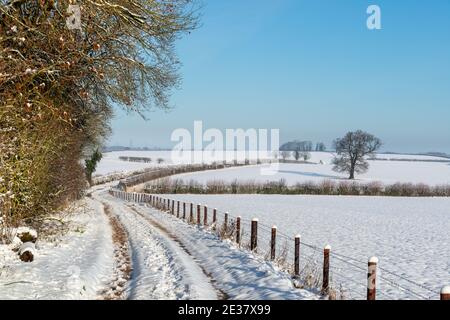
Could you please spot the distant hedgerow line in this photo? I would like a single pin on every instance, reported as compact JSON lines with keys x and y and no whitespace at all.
{"x":327,"y":187}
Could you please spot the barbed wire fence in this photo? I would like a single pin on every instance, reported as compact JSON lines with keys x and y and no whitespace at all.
{"x":333,"y":274}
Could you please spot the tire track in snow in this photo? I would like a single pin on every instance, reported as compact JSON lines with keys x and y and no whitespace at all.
{"x":122,"y":259}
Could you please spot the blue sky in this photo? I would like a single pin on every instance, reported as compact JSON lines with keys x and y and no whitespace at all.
{"x":313,"y":70}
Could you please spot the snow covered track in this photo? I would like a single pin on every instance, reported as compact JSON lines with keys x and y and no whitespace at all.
{"x":191,"y":260}
{"x":161,"y":268}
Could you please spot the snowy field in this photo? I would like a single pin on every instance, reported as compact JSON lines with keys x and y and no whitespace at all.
{"x":410,"y":236}
{"x":111,"y":163}
{"x":388,"y":172}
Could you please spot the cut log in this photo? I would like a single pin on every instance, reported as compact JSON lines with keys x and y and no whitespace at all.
{"x":26,"y":252}
{"x":26,"y":234}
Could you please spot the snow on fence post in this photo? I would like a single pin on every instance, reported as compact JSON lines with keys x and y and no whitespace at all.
{"x":273,"y":240}
{"x":178,"y":209}
{"x":254,"y":235}
{"x":371,"y":279}
{"x":238,"y":230}
{"x":297,"y":256}
{"x":326,"y":269}
{"x":205,"y":216}
{"x":198,"y":214}
{"x":445,"y":293}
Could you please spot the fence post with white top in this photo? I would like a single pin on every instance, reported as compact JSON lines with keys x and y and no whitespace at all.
{"x":326,"y":270}
{"x":371,"y":279}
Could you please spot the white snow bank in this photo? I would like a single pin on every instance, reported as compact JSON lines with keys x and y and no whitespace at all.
{"x":76,"y":266}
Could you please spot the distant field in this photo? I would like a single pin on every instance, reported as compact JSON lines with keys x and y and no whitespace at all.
{"x":388,"y":172}
{"x":384,"y":171}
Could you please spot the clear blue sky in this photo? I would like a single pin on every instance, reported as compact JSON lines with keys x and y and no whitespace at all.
{"x":313,"y":70}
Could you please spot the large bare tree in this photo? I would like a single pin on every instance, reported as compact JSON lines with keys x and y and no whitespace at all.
{"x":352,"y":151}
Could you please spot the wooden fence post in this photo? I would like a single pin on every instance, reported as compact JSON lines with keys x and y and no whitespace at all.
{"x":445,"y":293}
{"x":205,"y":216}
{"x":214,"y":218}
{"x":273,"y":243}
{"x":198,"y":214}
{"x":173,"y":207}
{"x":371,"y":279}
{"x":254,"y":235}
{"x":191,"y":217}
{"x":326,"y":270}
{"x":238,"y":230}
{"x":184,"y":210}
{"x":297,"y":256}
{"x":225,"y":222}
{"x":178,"y":209}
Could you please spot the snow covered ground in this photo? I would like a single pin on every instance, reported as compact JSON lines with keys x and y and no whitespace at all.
{"x":111,"y":163}
{"x":410,"y":236}
{"x":76,"y":265}
{"x":388,"y":172}
{"x":195,"y":264}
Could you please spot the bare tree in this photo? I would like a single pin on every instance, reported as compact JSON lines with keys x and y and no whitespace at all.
{"x":352,"y":150}
{"x":305,"y":156}
{"x":297,"y":154}
{"x":285,"y":154}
